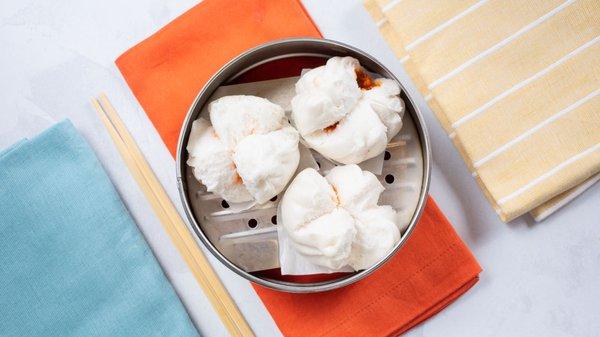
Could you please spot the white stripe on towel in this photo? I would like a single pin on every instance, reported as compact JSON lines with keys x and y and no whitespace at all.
{"x":549,"y":174}
{"x":525,"y":82}
{"x":536,"y":128}
{"x":445,"y":24}
{"x":499,"y":45}
{"x":390,"y":5}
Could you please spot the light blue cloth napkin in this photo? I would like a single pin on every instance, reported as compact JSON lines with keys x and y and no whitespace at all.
{"x":72,"y":261}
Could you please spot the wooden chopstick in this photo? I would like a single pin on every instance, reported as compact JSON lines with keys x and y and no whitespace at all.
{"x":172,"y":222}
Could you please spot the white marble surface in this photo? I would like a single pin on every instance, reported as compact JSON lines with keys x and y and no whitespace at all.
{"x":539,"y":279}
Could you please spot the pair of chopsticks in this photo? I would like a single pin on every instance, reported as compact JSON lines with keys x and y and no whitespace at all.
{"x":172,"y":222}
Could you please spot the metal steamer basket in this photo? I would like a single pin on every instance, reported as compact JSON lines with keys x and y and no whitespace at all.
{"x":245,"y":239}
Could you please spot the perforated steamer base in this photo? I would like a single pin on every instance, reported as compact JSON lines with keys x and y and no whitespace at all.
{"x":248,"y":237}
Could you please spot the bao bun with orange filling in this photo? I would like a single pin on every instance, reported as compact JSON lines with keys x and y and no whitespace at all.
{"x":345,"y":114}
{"x":248,"y":154}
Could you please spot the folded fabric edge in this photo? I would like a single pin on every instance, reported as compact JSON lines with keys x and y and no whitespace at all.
{"x":12,"y":147}
{"x":436,"y":308}
{"x":23,"y":141}
{"x":545,"y":210}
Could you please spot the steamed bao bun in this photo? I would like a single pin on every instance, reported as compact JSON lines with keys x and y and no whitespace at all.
{"x":249,"y":153}
{"x":334,"y":221}
{"x":344,"y":114}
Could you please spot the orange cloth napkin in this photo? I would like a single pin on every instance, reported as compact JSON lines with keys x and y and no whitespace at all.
{"x":165,"y":73}
{"x":167,"y":70}
{"x":428,"y":273}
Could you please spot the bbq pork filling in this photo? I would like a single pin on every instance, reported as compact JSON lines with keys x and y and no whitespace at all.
{"x":345,"y":114}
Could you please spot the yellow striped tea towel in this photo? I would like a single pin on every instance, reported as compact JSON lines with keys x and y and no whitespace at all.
{"x":515,"y":85}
